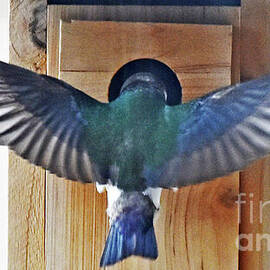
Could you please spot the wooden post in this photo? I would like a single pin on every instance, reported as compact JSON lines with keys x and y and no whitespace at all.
{"x":27,"y":182}
{"x":255,"y":181}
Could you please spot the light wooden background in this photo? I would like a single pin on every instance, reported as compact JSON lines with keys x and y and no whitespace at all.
{"x":27,"y":183}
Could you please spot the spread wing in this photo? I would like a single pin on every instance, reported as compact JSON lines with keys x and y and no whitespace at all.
{"x":47,"y":122}
{"x":219,"y":133}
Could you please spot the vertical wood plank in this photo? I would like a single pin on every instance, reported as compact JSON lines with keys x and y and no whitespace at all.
{"x":26,"y":215}
{"x":26,"y":182}
{"x":70,"y":243}
{"x":255,"y":181}
{"x":227,"y":15}
{"x":255,"y":38}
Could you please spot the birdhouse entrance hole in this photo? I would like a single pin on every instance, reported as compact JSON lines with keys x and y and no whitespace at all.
{"x":163,"y":75}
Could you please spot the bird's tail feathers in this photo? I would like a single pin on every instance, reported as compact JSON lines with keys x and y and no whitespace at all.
{"x":123,"y":242}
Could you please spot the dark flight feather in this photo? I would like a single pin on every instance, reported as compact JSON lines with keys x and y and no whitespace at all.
{"x":40,"y":118}
{"x":226,"y":130}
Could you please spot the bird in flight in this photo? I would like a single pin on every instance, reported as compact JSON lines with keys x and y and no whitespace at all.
{"x":136,"y":144}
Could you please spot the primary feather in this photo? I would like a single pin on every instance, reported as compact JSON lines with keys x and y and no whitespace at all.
{"x":225,"y":131}
{"x":41,"y":118}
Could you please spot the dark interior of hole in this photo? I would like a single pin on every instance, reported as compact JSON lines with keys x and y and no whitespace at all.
{"x":159,"y":69}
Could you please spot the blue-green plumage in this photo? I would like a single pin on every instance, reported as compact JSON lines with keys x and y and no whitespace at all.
{"x":141,"y":133}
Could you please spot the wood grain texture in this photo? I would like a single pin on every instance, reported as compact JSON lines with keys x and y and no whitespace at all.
{"x":71,"y":241}
{"x":255,"y":181}
{"x":225,"y":15}
{"x":26,"y":182}
{"x":82,"y":80}
{"x":255,"y":38}
{"x":174,"y":44}
{"x":26,"y":215}
{"x":28,"y":34}
{"x":187,"y":230}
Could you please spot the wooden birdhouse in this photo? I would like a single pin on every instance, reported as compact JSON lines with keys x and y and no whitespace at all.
{"x":60,"y":224}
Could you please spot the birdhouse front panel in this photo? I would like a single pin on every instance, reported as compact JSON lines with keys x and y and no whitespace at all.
{"x":197,"y":226}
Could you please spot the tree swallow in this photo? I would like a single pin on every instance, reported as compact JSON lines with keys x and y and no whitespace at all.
{"x":136,"y":144}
